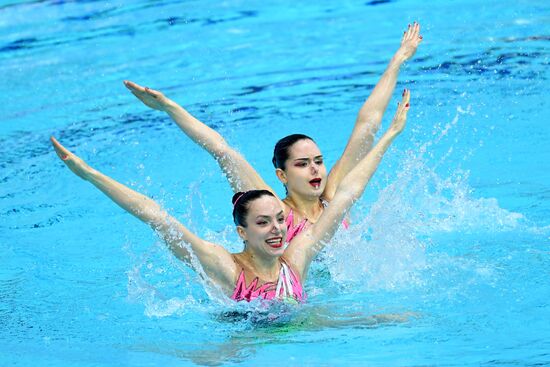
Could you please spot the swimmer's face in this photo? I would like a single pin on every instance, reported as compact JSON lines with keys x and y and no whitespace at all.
{"x":265,"y":231}
{"x":305,"y":173}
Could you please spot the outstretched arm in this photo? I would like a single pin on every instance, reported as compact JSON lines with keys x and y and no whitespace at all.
{"x":312,"y":240}
{"x":240,"y":174}
{"x":370,"y":115}
{"x":215,"y":260}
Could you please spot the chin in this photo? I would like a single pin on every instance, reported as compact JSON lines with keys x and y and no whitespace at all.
{"x":277,"y":251}
{"x":316,"y":193}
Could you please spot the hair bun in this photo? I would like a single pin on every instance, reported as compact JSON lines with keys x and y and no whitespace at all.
{"x":236,"y":197}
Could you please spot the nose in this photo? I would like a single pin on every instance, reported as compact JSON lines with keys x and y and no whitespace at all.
{"x":277,"y":227}
{"x":314,"y":168}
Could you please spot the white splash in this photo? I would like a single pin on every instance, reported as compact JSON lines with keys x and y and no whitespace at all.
{"x":385,"y":247}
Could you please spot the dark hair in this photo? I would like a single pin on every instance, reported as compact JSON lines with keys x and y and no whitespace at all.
{"x":240,"y":204}
{"x":281,"y":151}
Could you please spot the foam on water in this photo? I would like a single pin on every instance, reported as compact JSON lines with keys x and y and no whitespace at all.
{"x":387,"y":244}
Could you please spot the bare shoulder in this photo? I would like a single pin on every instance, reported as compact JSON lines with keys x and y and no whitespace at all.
{"x":219,"y":264}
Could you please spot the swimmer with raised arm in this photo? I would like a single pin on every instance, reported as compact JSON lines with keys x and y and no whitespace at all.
{"x":266,"y":268}
{"x":297,"y":159}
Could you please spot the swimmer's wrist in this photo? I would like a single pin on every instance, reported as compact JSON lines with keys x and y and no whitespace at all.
{"x":393,"y":132}
{"x":172,"y":107}
{"x":91,"y":175}
{"x":397,"y":60}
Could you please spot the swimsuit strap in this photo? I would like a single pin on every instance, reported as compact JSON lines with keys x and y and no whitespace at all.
{"x":284,"y":283}
{"x":292,"y":283}
{"x":281,"y":285}
{"x":286,"y":276}
{"x":288,"y":287}
{"x":292,"y":229}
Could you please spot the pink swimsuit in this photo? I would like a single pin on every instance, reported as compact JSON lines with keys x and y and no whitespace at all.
{"x":293,"y":230}
{"x":288,"y":286}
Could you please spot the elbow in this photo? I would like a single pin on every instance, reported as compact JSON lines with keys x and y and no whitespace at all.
{"x":221,"y":150}
{"x":371,"y":120}
{"x":349,"y":193}
{"x":155,"y":217}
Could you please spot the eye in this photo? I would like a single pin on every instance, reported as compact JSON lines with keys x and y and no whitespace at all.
{"x":301,"y":164}
{"x":261,"y":223}
{"x":319,"y":161}
{"x":281,"y":219}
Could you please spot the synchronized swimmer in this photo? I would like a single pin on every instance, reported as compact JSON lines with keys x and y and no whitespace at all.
{"x":297,"y":159}
{"x":271,"y":265}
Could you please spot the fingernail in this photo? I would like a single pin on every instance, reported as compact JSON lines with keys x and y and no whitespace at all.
{"x":64,"y":157}
{"x":404,"y":90}
{"x":420,"y":37}
{"x":407,"y":105}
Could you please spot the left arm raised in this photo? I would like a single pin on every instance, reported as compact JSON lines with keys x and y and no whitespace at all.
{"x":369,"y":117}
{"x":309,"y":242}
{"x":216,"y":261}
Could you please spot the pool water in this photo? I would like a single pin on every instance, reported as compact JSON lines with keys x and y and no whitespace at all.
{"x":452,"y":235}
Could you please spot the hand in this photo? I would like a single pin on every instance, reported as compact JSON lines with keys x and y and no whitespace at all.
{"x":75,"y":164}
{"x":398,"y":123}
{"x":409,"y":43}
{"x":150,"y":97}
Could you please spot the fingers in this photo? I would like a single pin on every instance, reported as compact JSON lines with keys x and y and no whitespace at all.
{"x":61,"y":151}
{"x":134,"y":88}
{"x":406,"y":34}
{"x":412,"y":32}
{"x":138,"y":90}
{"x":416,"y":34}
{"x":404,"y":105}
{"x":153,"y":93}
{"x":406,"y":97}
{"x":130,"y":85}
{"x":136,"y":93}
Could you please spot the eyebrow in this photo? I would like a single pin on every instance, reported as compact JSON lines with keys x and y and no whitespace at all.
{"x":267,"y":216}
{"x":307,"y":159}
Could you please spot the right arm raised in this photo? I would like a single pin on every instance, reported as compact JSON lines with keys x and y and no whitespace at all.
{"x":240,"y":174}
{"x":370,"y":115}
{"x":216,"y":261}
{"x":312,"y":240}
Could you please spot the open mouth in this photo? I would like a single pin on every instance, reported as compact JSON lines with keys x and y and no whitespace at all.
{"x":275,"y":242}
{"x":316,"y":183}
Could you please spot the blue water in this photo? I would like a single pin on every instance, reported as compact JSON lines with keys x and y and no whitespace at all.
{"x":453,"y":232}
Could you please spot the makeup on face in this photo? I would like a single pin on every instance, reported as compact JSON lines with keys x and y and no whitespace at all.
{"x":314,"y":170}
{"x":266,"y":226}
{"x":276,"y":232}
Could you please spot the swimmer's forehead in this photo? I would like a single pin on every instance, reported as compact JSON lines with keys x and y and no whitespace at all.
{"x":266,"y":206}
{"x":304,"y":149}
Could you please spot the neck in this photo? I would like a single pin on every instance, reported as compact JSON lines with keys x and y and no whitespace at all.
{"x":308,"y":207}
{"x":266,"y":268}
